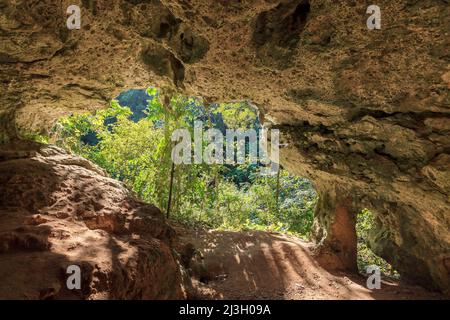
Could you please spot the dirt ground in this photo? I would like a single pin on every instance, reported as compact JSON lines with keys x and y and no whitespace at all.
{"x":264,"y":265}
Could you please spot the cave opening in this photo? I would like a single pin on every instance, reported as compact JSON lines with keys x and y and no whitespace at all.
{"x":122,"y":139}
{"x":366,"y":230}
{"x":132,"y":141}
{"x":368,"y":112}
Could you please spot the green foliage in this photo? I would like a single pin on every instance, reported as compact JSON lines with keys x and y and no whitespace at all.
{"x":219,"y":196}
{"x":69,"y":130}
{"x":37,"y":137}
{"x":293,"y":212}
{"x":232,"y":197}
{"x":238,"y":115}
{"x":136,"y":153}
{"x":364,"y":224}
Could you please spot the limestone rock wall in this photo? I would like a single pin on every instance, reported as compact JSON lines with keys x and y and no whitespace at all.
{"x":58,"y":210}
{"x":365,"y":114}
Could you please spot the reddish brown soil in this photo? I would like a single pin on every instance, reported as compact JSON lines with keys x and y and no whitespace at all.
{"x":263,"y":265}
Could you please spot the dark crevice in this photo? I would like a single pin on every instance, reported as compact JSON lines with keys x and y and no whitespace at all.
{"x":282,"y":25}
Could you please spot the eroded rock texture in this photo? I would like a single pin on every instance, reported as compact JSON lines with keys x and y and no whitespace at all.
{"x":365,"y":113}
{"x":58,"y":210}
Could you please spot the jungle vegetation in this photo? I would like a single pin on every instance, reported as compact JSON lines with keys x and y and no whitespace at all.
{"x":134,"y":146}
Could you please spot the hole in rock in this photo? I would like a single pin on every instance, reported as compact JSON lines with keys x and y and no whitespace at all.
{"x":164,"y":29}
{"x":366,"y":229}
{"x":131,"y":140}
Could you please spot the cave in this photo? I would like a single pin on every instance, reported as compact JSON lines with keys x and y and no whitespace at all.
{"x":364,"y":115}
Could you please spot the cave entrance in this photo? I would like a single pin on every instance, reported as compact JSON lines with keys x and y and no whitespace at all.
{"x":366,"y":226}
{"x":129,"y":141}
{"x":132,"y":141}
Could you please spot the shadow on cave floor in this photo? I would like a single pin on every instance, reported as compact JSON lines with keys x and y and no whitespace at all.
{"x":263,"y":265}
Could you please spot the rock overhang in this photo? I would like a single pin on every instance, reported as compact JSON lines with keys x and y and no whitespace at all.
{"x":365,"y":114}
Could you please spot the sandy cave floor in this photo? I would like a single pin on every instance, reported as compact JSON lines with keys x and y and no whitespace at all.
{"x":265,"y":265}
